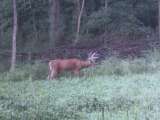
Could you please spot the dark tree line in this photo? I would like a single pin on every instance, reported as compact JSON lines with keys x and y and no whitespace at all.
{"x":31,"y":26}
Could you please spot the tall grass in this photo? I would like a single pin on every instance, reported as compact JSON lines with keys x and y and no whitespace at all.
{"x":117,"y":89}
{"x":34,"y":71}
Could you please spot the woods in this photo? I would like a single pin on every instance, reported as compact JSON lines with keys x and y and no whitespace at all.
{"x":44,"y":25}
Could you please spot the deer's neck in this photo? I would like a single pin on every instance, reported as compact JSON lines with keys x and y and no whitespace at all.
{"x":85,"y":64}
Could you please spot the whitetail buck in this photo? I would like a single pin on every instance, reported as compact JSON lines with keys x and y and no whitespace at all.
{"x":75,"y":65}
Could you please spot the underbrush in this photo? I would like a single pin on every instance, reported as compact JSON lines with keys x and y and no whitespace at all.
{"x":36,"y":71}
{"x":120,"y":67}
{"x":111,"y":67}
{"x":118,"y":89}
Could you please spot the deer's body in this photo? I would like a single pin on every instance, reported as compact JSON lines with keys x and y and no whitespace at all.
{"x":59,"y":65}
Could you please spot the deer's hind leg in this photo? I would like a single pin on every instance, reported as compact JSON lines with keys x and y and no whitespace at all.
{"x":54,"y":74}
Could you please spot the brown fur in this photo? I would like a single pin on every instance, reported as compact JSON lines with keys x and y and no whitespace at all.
{"x":60,"y":65}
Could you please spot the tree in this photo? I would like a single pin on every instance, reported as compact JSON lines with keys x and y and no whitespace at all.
{"x":76,"y":12}
{"x":54,"y":18}
{"x":14,"y":36}
{"x":1,"y":24}
{"x":106,"y":4}
{"x":159,"y":18}
{"x":79,"y":22}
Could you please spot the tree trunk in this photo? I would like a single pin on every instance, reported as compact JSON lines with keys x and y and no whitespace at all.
{"x":159,"y":18}
{"x":76,"y":13}
{"x":13,"y":59}
{"x":1,"y":24}
{"x":79,"y":23}
{"x":35,"y":31}
{"x":106,"y":4}
{"x":54,"y":22}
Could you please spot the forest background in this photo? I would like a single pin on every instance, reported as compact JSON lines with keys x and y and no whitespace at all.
{"x":48,"y":29}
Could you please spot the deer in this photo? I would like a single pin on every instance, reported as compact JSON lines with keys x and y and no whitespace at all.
{"x":74,"y":65}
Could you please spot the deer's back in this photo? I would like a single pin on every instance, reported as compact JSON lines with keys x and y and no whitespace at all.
{"x":66,"y":64}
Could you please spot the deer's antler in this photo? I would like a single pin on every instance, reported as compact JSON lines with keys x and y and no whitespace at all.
{"x":92,"y":56}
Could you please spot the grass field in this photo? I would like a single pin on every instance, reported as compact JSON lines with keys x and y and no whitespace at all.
{"x":115,"y":90}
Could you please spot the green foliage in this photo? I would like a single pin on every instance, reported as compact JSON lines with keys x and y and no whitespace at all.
{"x":121,"y":17}
{"x":117,"y":89}
{"x":110,"y":67}
{"x":35,"y":71}
{"x":124,"y":17}
{"x":120,"y":67}
{"x":117,"y":97}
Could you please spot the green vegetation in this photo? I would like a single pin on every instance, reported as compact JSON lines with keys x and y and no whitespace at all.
{"x":103,"y":22}
{"x":115,"y":90}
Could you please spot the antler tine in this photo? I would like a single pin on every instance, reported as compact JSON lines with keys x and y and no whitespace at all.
{"x":90,"y":54}
{"x":94,"y":55}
